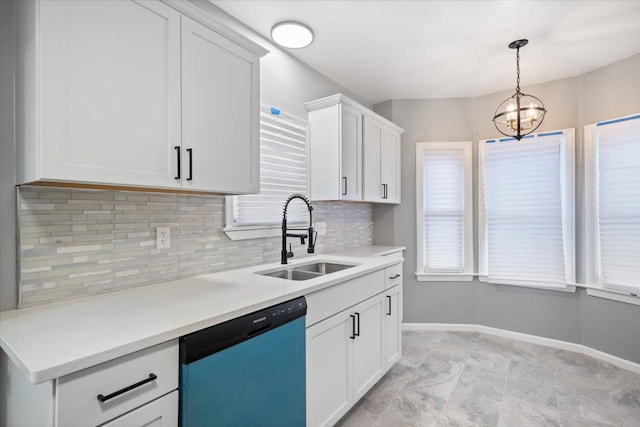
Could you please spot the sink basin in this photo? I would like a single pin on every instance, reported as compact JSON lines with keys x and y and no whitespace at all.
{"x":322,"y":267}
{"x":306,"y":271}
{"x":292,"y":274}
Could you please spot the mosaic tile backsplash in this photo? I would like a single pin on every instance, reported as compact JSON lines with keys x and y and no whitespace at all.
{"x":76,"y":243}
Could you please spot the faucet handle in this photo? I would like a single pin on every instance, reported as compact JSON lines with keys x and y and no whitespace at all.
{"x":290,"y":253}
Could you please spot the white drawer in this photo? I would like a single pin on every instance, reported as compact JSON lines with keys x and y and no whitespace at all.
{"x":334,"y":299}
{"x":77,"y":394}
{"x":393,"y":275}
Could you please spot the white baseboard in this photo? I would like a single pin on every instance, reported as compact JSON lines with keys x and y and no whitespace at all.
{"x":533,"y":339}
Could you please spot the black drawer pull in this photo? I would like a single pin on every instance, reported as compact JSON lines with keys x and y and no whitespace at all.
{"x":394,"y":277}
{"x":102,"y":398}
{"x":177,"y":147}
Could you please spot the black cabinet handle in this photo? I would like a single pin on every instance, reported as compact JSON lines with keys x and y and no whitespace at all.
{"x":353,"y":327}
{"x":394,"y":277}
{"x":190,"y":151}
{"x":102,"y":398}
{"x":389,"y":300}
{"x":344,"y":185}
{"x":385,"y":188}
{"x":358,"y":333}
{"x":177,"y":148}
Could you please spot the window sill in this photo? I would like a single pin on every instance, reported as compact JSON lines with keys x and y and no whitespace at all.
{"x":611,"y":295}
{"x":452,"y":277}
{"x":523,"y":284}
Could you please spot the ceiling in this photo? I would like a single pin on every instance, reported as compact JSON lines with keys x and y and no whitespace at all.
{"x":444,"y":49}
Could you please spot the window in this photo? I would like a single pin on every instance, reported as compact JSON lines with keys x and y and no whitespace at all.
{"x":283,"y":171}
{"x":444,"y":211}
{"x":526,"y":210}
{"x":612,"y":171}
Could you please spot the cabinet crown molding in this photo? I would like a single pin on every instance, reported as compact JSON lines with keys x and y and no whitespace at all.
{"x":339,"y":98}
{"x":204,"y":18}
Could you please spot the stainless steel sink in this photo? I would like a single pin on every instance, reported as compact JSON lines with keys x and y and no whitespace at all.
{"x":306,"y":271}
{"x":322,"y":267}
{"x":292,"y":274}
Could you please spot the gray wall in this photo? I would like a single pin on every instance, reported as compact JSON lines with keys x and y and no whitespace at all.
{"x":8,"y":284}
{"x":605,"y":325}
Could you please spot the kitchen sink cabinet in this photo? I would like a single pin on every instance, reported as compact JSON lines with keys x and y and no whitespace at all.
{"x":127,"y":108}
{"x":353,"y":339}
{"x":344,"y":360}
{"x":354,"y":152}
{"x":381,"y":164}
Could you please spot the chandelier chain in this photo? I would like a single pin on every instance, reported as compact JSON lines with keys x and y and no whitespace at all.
{"x":518,"y":70}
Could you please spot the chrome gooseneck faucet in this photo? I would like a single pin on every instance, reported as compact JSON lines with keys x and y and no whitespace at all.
{"x":284,"y":254}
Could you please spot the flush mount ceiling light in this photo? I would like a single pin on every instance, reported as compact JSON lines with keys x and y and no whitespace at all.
{"x":520,"y":114}
{"x":292,"y":34}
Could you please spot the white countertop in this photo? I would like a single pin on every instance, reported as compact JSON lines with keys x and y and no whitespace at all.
{"x":49,"y":341}
{"x":375,"y":250}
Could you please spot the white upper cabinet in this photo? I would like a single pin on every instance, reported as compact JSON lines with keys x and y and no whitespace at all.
{"x":335,"y":151}
{"x":354,"y":152}
{"x":101,"y":91}
{"x":381,"y":163}
{"x":220,"y":99}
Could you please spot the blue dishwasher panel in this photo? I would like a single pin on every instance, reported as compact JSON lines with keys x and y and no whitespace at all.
{"x":258,"y":382}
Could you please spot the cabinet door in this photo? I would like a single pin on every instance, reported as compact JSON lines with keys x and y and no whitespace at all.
{"x":351,"y":152}
{"x":390,"y":165}
{"x":328,"y":360}
{"x":372,"y":149}
{"x":162,"y":412}
{"x":393,"y":324}
{"x":109,"y":79}
{"x":368,"y":357}
{"x":381,"y":163}
{"x":220,"y":113}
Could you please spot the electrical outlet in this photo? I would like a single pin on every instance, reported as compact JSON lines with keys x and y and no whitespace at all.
{"x":321,"y":228}
{"x":163,"y":237}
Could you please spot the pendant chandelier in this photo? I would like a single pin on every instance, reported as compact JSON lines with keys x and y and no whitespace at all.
{"x":521,"y":114}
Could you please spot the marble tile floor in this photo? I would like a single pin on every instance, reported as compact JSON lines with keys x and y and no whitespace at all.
{"x":471,"y":379}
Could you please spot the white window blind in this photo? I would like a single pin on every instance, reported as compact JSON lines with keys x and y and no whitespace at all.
{"x":528,"y":214}
{"x":283,"y":171}
{"x":617,"y":145}
{"x":444,"y":208}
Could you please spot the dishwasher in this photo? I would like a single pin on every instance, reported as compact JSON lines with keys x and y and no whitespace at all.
{"x":248,"y":371}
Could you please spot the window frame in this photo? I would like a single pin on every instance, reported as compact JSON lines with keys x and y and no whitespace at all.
{"x":467,"y":247}
{"x":593,"y":274}
{"x":257,"y":231}
{"x":567,"y":181}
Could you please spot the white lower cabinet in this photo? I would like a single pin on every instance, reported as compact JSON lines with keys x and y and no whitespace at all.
{"x":329,"y":357}
{"x":349,"y":351}
{"x":392,"y":325}
{"x":162,"y":412}
{"x":139,"y":389}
